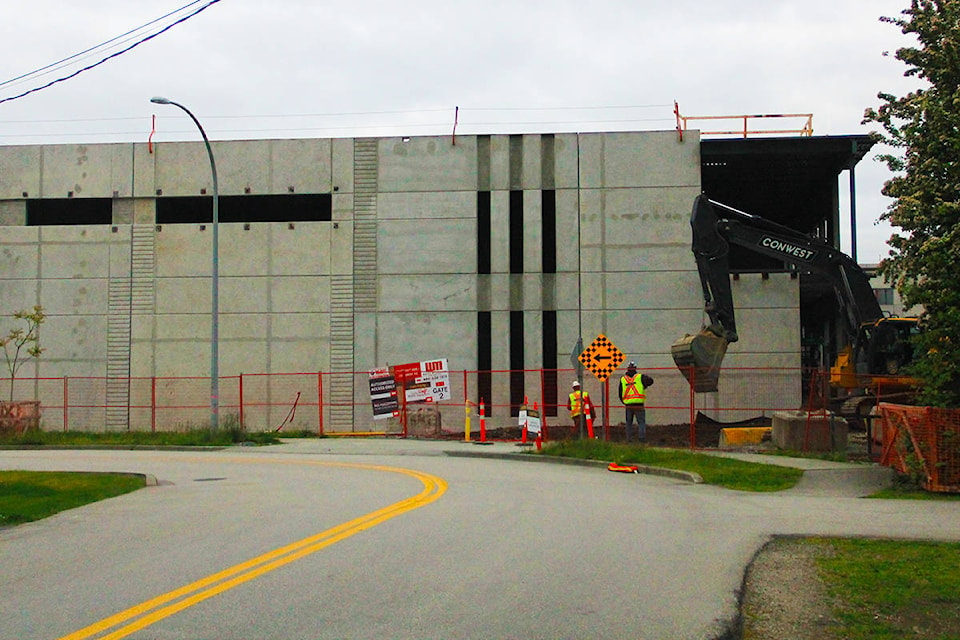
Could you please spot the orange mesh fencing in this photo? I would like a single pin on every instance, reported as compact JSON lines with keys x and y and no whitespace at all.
{"x":923,"y":442}
{"x":339,"y":403}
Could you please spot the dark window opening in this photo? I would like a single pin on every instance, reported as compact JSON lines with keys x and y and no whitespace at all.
{"x":550,"y":389}
{"x":516,"y":362}
{"x":483,"y":232}
{"x":484,"y":360}
{"x":516,"y":232}
{"x":548,"y":225}
{"x":69,"y":211}
{"x":298,"y":207}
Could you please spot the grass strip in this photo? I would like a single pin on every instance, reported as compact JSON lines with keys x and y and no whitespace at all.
{"x":186,"y":438}
{"x":26,"y":496}
{"x":724,"y":472}
{"x":893,"y":589}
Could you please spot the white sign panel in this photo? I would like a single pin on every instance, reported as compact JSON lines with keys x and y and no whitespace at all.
{"x":427,"y":381}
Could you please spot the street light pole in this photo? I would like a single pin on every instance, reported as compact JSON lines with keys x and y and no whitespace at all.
{"x":215,"y":286}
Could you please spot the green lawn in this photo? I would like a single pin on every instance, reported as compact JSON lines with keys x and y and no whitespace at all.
{"x":31,"y":495}
{"x":724,"y":472}
{"x":893,"y":589}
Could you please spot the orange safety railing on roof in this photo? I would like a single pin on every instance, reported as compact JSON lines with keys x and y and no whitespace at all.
{"x":744,"y":130}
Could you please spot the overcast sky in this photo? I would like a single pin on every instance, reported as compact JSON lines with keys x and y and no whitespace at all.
{"x":305,"y":68}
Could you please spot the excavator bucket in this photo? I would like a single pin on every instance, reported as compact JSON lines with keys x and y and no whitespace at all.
{"x":699,"y":357}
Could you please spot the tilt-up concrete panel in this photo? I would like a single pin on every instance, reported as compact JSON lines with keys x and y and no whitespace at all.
{"x":499,"y":163}
{"x":532,"y":232}
{"x":21,"y":172}
{"x":566,"y":151}
{"x":647,"y":159}
{"x":427,"y":292}
{"x":500,"y":232}
{"x":87,"y":171}
{"x":301,"y":166}
{"x":20,"y":254}
{"x":415,"y":336}
{"x":76,"y":251}
{"x":183,"y":250}
{"x":636,"y":229}
{"x":427,"y":164}
{"x":426,"y":208}
{"x":244,"y":252}
{"x":435,"y":246}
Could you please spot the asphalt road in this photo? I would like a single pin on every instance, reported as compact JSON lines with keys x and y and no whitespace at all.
{"x":397,"y":539}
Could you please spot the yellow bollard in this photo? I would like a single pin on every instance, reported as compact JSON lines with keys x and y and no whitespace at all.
{"x":466,"y":427}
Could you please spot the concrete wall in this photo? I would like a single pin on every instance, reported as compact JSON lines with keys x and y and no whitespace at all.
{"x":393,"y":276}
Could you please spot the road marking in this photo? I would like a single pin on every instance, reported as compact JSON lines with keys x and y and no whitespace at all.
{"x":166,"y":605}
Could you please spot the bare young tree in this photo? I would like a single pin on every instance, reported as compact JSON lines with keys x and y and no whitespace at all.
{"x":21,"y":343}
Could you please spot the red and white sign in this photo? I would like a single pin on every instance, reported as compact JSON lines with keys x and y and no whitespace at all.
{"x":427,"y":381}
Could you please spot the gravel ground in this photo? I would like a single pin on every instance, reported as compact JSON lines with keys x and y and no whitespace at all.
{"x":783,"y":595}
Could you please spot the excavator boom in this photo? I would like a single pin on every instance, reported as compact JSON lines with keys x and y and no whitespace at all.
{"x":699,"y":356}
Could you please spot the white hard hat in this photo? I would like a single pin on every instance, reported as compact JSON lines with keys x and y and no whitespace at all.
{"x":575,"y":383}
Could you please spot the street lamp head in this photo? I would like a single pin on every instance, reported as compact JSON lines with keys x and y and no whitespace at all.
{"x":159,"y":100}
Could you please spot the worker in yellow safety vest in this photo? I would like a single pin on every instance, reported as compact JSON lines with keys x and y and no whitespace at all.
{"x":578,"y":404}
{"x":633,"y":395}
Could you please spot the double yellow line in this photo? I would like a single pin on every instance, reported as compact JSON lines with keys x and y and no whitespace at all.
{"x":166,"y":605}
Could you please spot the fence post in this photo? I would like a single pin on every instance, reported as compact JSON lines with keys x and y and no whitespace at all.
{"x":153,"y":403}
{"x":693,"y":408}
{"x":66,"y":406}
{"x":242,"y":426}
{"x":320,"y":402}
{"x":606,"y":410}
{"x":543,"y":412}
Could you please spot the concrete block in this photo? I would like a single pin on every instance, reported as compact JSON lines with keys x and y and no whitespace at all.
{"x":743,"y":436}
{"x":809,"y":431}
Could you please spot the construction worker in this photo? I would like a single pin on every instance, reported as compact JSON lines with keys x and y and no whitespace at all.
{"x":579,"y":403}
{"x":633,"y":396}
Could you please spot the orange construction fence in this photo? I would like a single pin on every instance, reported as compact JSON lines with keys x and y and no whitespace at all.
{"x":923,"y":442}
{"x":340,"y":403}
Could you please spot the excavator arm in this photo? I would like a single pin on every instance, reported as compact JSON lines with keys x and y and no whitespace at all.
{"x":699,"y":356}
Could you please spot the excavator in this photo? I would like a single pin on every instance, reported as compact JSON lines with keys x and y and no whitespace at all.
{"x":871,"y":363}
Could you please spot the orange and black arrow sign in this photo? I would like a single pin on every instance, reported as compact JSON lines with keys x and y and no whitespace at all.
{"x":602,"y":357}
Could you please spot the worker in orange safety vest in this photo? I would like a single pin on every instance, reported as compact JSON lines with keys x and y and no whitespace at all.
{"x":633,"y":395}
{"x":578,"y":404}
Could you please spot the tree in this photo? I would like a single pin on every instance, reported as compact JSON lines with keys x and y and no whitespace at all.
{"x":923,"y":130}
{"x":20,"y":344}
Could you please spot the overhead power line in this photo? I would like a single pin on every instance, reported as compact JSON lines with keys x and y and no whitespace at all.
{"x":103,"y":45}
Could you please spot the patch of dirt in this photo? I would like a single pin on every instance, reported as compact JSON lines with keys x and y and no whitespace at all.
{"x":783,"y":596}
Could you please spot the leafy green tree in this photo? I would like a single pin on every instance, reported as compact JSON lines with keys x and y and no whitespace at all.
{"x":21,"y":344}
{"x":922,"y":129}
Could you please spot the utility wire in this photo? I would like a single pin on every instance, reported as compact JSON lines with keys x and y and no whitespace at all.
{"x":110,"y":57}
{"x":59,"y":63}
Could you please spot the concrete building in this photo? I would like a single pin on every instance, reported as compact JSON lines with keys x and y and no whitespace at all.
{"x":495,"y":252}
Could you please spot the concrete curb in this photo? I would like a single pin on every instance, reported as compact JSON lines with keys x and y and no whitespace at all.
{"x":686,"y":476}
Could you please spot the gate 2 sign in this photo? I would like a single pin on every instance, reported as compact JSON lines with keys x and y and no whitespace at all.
{"x":427,"y":381}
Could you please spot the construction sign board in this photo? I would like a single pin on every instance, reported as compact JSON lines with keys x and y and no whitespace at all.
{"x":602,"y":357}
{"x":530,"y":418}
{"x":383,"y":394}
{"x":427,"y":381}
